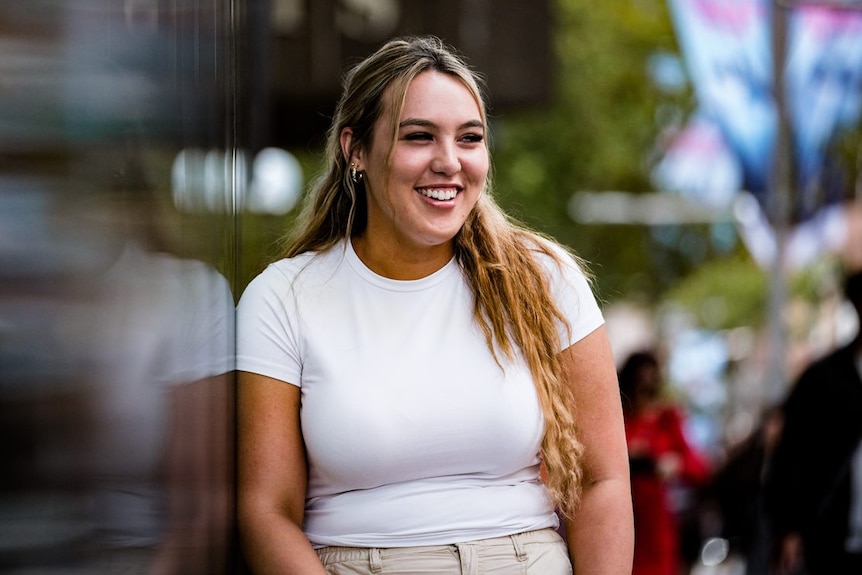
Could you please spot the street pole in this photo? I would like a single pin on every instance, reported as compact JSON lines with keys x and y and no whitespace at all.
{"x":780,"y":211}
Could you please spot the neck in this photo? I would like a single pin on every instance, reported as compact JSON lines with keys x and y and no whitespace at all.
{"x":399,"y":262}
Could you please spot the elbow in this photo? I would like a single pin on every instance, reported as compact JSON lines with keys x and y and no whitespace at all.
{"x":616,"y":476}
{"x":257,"y":511}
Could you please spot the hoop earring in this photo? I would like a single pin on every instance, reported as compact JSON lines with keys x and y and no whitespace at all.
{"x":355,"y":175}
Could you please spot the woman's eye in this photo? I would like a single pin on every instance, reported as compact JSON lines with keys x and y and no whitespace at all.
{"x":418,"y":136}
{"x":473,"y":138}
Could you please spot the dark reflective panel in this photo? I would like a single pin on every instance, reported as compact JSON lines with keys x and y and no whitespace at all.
{"x":116,"y":273}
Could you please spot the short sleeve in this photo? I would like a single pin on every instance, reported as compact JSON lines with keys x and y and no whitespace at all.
{"x":205,"y":324}
{"x":267,"y":339}
{"x":572,"y":292}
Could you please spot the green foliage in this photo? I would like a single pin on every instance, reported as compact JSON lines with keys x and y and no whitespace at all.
{"x":599,"y":133}
{"x":724,"y":294}
{"x":732,"y":292}
{"x":846,"y":149}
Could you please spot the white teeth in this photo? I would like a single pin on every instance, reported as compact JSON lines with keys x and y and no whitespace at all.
{"x":439,"y":194}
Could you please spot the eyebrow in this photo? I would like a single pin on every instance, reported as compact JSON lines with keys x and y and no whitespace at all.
{"x":430,"y":124}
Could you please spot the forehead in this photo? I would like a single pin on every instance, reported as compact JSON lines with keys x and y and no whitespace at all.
{"x":441,"y":94}
{"x":437,"y":89}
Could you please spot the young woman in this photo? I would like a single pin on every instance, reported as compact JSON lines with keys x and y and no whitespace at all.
{"x":415,"y":360}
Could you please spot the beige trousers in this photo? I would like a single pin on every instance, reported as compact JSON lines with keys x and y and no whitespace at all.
{"x":541,"y":552}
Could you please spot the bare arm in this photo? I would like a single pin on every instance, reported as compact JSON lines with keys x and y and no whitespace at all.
{"x":272,"y":478}
{"x":601,"y":536}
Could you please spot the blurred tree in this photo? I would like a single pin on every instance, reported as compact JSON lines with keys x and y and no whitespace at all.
{"x":846,"y":151}
{"x":600,"y":133}
{"x":723,"y":294}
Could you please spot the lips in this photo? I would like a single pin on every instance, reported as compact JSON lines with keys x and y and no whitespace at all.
{"x":441,"y":193}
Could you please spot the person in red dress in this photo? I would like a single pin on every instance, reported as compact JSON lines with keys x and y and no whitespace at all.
{"x":662,"y":463}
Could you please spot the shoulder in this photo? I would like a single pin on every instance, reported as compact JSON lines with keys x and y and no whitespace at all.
{"x":827,"y":379}
{"x":570,"y":288}
{"x":310,"y":264}
{"x":287,"y":275}
{"x":565,"y":272}
{"x":823,"y":368}
{"x":554,"y":258}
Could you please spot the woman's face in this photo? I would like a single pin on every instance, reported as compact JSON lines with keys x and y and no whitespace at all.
{"x":648,"y":383}
{"x":439,"y":163}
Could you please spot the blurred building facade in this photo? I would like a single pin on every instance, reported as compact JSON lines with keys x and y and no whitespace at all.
{"x":309,"y":45}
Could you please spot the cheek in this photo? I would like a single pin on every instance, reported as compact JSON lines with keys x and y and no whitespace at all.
{"x":408,"y":166}
{"x":477,"y":163}
{"x":477,"y":169}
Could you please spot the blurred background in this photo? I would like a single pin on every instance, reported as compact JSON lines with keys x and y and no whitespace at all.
{"x":705,"y":158}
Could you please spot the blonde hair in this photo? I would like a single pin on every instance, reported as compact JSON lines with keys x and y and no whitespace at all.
{"x":513,"y":301}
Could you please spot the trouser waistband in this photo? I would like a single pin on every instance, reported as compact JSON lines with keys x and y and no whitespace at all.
{"x":465,"y":550}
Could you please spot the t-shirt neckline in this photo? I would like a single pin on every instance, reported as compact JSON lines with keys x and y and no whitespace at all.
{"x":367,"y":274}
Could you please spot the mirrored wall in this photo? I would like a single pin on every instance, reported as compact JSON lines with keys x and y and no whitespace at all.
{"x":120,"y":167}
{"x":152,"y":153}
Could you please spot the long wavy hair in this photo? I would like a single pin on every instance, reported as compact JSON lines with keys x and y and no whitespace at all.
{"x":498,"y":256}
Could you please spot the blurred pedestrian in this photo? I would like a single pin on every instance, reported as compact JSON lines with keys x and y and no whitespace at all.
{"x":814,"y":487}
{"x":736,"y":492}
{"x":665,"y":467}
{"x":415,"y":357}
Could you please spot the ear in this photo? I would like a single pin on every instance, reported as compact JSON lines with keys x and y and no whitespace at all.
{"x":352,"y":153}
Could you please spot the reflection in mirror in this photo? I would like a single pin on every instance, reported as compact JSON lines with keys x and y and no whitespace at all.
{"x":116,"y":303}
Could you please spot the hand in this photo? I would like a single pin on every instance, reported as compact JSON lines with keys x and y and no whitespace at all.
{"x":668,"y":466}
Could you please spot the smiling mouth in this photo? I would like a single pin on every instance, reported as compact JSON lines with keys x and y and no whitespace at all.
{"x":442,"y":194}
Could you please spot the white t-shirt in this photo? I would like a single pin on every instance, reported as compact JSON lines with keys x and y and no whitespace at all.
{"x":152,"y":323}
{"x":415,"y":435}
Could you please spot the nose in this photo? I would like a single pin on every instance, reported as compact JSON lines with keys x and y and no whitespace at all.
{"x":446,"y":160}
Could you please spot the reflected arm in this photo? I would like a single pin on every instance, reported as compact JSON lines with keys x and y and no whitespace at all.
{"x":199,"y":475}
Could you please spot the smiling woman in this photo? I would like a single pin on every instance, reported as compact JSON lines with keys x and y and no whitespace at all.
{"x":416,"y":358}
{"x":422,"y":187}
